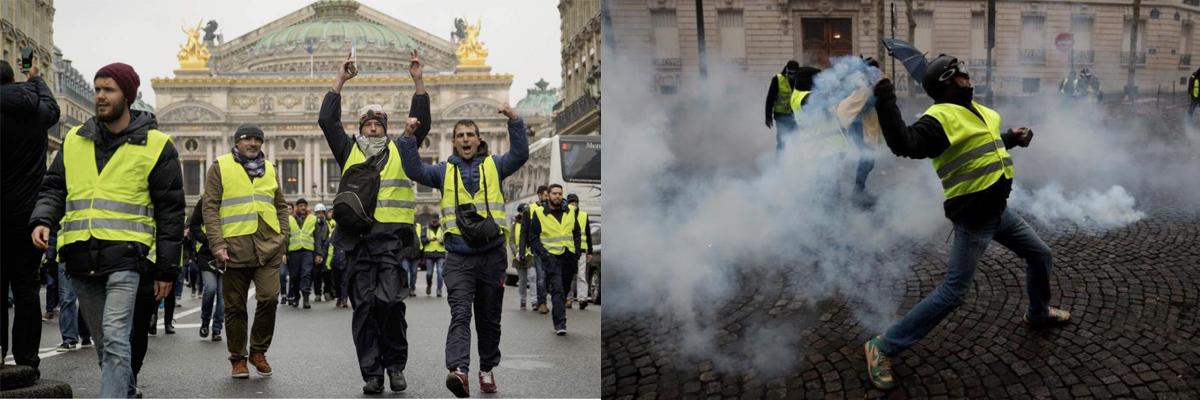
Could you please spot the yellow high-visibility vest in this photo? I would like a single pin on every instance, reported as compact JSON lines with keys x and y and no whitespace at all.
{"x":976,"y":157}
{"x":516,"y":239}
{"x":301,"y":237}
{"x":556,"y":234}
{"x":582,"y":216}
{"x":245,"y":201}
{"x":435,"y":240}
{"x":488,"y":196}
{"x":396,"y":198}
{"x":783,"y":99}
{"x":797,"y":101}
{"x":113,"y":204}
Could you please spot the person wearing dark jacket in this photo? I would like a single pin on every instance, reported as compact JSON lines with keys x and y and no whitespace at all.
{"x":1193,"y":89}
{"x":781,"y":109}
{"x":548,"y":228}
{"x":584,"y":253}
{"x":113,"y":193}
{"x":212,"y":303}
{"x":27,"y":110}
{"x":378,"y":283}
{"x":971,"y":158}
{"x":539,"y":270}
{"x":474,"y":269}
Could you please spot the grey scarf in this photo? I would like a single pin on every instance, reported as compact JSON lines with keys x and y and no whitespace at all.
{"x":254,"y":167}
{"x":370,"y":146}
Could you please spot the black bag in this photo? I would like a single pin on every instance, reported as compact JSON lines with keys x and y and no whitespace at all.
{"x":354,"y":205}
{"x":476,"y":229}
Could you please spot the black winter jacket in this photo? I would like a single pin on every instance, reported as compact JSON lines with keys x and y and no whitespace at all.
{"x":926,"y":139}
{"x":27,"y":111}
{"x":97,"y":257}
{"x":196,"y":235}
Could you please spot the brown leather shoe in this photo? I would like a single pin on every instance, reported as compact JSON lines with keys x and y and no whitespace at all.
{"x":458,"y":384}
{"x":259,"y":360}
{"x":239,"y":369}
{"x":543,"y":309}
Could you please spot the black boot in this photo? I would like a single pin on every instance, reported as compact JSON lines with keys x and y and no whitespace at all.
{"x":374,"y":385}
{"x":306,"y":306}
{"x":396,"y":379}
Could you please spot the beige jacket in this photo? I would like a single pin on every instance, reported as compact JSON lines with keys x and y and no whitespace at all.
{"x":264,"y":248}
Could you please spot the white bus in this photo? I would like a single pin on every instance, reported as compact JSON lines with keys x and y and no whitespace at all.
{"x":571,"y":161}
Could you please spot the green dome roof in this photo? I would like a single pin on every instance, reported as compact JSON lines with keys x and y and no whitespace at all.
{"x":335,"y":22}
{"x":539,"y":100}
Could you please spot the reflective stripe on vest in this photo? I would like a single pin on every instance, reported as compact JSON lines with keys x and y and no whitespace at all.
{"x":783,"y":99}
{"x":556,"y":233}
{"x":396,"y":199}
{"x":976,"y":157}
{"x":301,"y":238}
{"x":113,"y":204}
{"x":483,"y":199}
{"x":245,"y":201}
{"x":329,"y":249}
{"x":1196,"y":88}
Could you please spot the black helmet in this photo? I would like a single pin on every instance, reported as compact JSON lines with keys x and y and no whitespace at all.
{"x":938,"y":72}
{"x":522,"y":208}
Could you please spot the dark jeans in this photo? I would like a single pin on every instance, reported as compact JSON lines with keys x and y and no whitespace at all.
{"x":785,"y":126}
{"x":300,"y":265}
{"x":377,"y":293}
{"x":19,"y":273}
{"x":340,"y":283}
{"x":475,"y":280}
{"x":1192,"y":107}
{"x":969,"y":244}
{"x":50,"y":276}
{"x":70,"y":321}
{"x":559,"y":274}
{"x":212,"y":300}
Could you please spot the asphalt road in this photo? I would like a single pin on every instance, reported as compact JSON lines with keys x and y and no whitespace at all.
{"x":313,"y":356}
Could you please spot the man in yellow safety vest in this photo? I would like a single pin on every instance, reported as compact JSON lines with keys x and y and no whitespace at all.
{"x":558,"y":236}
{"x":970,"y":157}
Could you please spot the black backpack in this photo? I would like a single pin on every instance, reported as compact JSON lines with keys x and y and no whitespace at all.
{"x":354,"y":205}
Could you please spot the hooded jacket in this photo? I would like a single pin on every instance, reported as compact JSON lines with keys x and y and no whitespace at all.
{"x":27,"y":111}
{"x":926,"y":139}
{"x":433,"y":175}
{"x":97,"y":257}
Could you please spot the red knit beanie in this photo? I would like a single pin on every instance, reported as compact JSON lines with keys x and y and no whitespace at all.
{"x":126,"y":78}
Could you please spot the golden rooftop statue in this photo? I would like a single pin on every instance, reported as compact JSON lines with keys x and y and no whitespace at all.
{"x":470,"y":52}
{"x":193,"y":55}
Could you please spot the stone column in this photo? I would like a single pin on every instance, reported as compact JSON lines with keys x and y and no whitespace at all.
{"x":209,"y":156}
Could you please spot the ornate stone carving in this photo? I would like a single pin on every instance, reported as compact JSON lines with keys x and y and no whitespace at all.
{"x":289,"y":101}
{"x":244,"y":102}
{"x":472,"y":110}
{"x":310,"y":102}
{"x":266,"y":104}
{"x":191,"y":113}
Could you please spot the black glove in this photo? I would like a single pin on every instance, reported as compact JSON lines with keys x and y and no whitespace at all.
{"x":885,"y":87}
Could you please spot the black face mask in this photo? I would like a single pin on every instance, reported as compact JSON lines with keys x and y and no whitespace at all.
{"x":959,"y":95}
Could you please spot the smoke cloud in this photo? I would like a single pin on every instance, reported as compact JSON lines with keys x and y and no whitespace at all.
{"x":698,"y":200}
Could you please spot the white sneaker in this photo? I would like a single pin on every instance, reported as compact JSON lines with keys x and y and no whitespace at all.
{"x":560,"y":332}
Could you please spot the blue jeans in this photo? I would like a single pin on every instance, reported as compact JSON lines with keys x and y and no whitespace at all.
{"x":785,"y":125}
{"x":523,"y":282}
{"x":969,"y":244}
{"x":107,"y":302}
{"x":410,"y":266}
{"x":541,"y":281}
{"x":70,"y":321}
{"x":212,"y":295}
{"x":432,"y":264}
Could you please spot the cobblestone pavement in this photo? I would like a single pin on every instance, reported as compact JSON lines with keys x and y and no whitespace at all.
{"x":1134,"y":293}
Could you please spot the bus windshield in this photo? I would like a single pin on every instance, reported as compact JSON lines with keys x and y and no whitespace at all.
{"x":580,"y":160}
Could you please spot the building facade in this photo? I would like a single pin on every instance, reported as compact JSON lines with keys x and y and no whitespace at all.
{"x":579,"y":111}
{"x":277,"y":76}
{"x":537,"y":109}
{"x":76,"y":103}
{"x":760,"y":36}
{"x":28,"y":23}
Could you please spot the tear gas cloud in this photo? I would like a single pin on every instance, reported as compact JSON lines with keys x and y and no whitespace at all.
{"x":697,"y":195}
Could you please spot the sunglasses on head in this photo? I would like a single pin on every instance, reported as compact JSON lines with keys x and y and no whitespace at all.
{"x":955,"y":68}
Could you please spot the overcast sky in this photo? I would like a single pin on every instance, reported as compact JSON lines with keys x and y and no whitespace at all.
{"x":522,"y":37}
